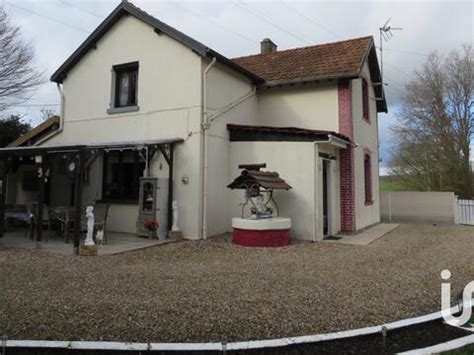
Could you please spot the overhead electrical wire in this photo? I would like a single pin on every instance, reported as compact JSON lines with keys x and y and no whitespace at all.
{"x":258,"y":14}
{"x":47,"y":17}
{"x":325,"y":28}
{"x":79,"y":8}
{"x":225,"y":28}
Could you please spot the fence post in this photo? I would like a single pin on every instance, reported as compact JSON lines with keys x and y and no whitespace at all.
{"x":456,"y":210}
{"x":390,"y":206}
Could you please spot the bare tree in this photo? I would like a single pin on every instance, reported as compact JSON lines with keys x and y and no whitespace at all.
{"x":437,"y":124}
{"x":18,"y":76}
{"x":46,"y":113}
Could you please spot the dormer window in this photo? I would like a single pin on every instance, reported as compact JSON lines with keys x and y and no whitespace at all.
{"x":125,"y":88}
{"x":365,"y":100}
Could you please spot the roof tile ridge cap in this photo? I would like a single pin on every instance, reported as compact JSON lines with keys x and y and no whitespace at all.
{"x":304,"y":47}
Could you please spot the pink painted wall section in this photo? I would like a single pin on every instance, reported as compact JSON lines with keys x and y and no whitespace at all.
{"x":346,"y":159}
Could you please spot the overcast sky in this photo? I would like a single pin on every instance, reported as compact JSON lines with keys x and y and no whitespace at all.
{"x":234,"y":28}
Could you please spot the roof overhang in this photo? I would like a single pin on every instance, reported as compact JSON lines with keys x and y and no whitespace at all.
{"x":309,"y":80}
{"x":375,"y":77}
{"x":245,"y":133}
{"x":39,"y":132}
{"x":125,"y":8}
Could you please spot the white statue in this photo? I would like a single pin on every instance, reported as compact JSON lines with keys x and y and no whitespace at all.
{"x":174,"y":206}
{"x":90,"y":226}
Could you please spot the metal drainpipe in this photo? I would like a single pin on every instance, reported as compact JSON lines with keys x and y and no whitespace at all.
{"x":205,"y":125}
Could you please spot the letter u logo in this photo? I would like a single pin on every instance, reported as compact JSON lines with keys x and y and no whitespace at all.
{"x":467,"y":295}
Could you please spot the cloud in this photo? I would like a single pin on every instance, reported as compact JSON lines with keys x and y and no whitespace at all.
{"x":235,"y":28}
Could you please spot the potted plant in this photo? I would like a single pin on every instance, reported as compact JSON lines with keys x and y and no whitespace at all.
{"x":151,"y":225}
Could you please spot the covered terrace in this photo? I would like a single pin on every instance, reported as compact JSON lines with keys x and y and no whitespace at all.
{"x":77,"y":160}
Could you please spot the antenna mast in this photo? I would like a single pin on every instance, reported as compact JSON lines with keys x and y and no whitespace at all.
{"x":386,"y":33}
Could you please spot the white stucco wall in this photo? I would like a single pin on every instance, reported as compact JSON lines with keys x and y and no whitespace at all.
{"x":311,"y":106}
{"x":169,"y":97}
{"x":365,"y":136}
{"x":225,"y":87}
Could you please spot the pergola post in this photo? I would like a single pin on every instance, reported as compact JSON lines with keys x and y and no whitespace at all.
{"x":170,"y":187}
{"x":3,"y":195}
{"x":41,"y":187}
{"x":78,"y":201}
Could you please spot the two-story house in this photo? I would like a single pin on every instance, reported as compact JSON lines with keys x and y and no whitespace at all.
{"x":137,"y":84}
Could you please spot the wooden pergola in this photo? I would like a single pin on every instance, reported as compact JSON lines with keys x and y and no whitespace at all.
{"x":80,"y":158}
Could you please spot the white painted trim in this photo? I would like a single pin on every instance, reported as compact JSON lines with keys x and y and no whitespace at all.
{"x":242,"y":345}
{"x":450,"y":345}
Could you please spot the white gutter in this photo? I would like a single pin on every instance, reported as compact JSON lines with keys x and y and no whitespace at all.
{"x":61,"y":117}
{"x":333,"y":140}
{"x":205,"y":125}
{"x":222,"y":346}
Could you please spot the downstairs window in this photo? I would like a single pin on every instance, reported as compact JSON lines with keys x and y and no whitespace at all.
{"x":121,"y":177}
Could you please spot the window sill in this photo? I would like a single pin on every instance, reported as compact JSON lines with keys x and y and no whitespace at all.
{"x":123,"y":109}
{"x":369,"y":203}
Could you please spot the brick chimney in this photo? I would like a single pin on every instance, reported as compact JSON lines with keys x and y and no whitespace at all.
{"x":267,"y":46}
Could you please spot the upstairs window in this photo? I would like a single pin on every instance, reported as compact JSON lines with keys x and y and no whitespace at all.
{"x":365,"y":100}
{"x":126,"y":85}
{"x":368,"y":179}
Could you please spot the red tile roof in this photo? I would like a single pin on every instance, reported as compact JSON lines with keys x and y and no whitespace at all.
{"x":323,"y":61}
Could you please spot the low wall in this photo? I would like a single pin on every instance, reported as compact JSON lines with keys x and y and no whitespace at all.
{"x":426,"y":206}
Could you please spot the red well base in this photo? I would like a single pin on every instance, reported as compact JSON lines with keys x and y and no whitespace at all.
{"x":261,"y":238}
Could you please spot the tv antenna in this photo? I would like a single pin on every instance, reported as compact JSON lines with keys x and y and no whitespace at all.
{"x":386,"y":34}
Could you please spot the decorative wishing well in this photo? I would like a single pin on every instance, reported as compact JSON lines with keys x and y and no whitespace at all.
{"x":260,"y":224}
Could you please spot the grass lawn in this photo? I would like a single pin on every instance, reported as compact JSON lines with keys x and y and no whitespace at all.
{"x":392,"y":183}
{"x":214,"y":291}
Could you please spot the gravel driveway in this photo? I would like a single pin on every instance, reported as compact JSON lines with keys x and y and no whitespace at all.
{"x":214,"y":291}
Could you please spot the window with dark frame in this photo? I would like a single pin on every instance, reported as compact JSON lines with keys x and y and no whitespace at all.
{"x":368,"y":179}
{"x":121,"y":176}
{"x":126,"y":85}
{"x":365,"y":100}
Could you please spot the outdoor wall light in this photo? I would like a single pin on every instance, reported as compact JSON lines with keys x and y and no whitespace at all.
{"x":185,"y":179}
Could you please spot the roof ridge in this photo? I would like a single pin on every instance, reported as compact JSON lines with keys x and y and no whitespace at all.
{"x":159,"y":26}
{"x":305,"y":47}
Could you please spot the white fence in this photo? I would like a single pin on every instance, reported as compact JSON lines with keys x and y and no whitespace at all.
{"x":417,"y":206}
{"x":466,"y":211}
